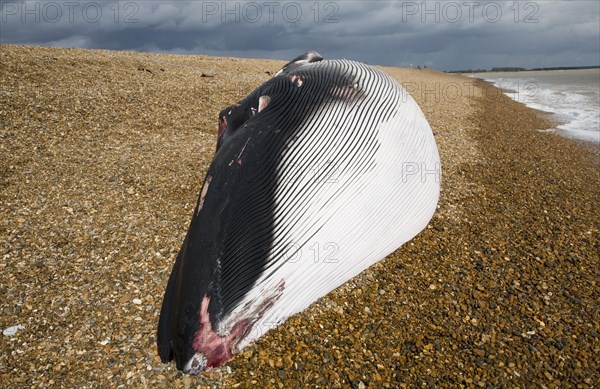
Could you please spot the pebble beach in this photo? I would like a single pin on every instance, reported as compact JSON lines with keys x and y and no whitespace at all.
{"x":102,"y":155}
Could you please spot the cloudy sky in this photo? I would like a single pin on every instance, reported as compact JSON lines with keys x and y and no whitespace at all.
{"x":442,"y":34}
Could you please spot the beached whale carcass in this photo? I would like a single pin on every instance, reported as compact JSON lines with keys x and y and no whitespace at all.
{"x":319,"y":173}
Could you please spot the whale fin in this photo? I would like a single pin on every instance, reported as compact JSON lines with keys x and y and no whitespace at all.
{"x":310,"y":57}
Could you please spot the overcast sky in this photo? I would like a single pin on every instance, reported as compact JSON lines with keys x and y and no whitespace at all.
{"x":442,"y":34}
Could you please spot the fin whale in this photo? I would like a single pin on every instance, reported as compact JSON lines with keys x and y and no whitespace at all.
{"x":319,"y":173}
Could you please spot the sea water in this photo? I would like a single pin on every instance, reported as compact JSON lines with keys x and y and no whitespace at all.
{"x":571,"y":96}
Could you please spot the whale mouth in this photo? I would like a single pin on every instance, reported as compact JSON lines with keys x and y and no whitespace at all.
{"x":196,"y":364}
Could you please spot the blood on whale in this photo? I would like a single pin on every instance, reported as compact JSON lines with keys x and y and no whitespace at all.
{"x":212,"y":348}
{"x":215,"y":348}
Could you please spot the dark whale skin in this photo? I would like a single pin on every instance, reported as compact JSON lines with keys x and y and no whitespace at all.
{"x":238,"y":186}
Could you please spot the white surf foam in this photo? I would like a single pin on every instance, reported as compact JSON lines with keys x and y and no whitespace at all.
{"x":572,"y":96}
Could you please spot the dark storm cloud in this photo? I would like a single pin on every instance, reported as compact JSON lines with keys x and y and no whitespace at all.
{"x":442,"y":34}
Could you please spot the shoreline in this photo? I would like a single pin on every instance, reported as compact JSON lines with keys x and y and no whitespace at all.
{"x":102,"y":160}
{"x":552,"y":118}
{"x":551,"y":108}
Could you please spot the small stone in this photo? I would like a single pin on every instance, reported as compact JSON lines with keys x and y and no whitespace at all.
{"x":11,"y":331}
{"x":137,"y":301}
